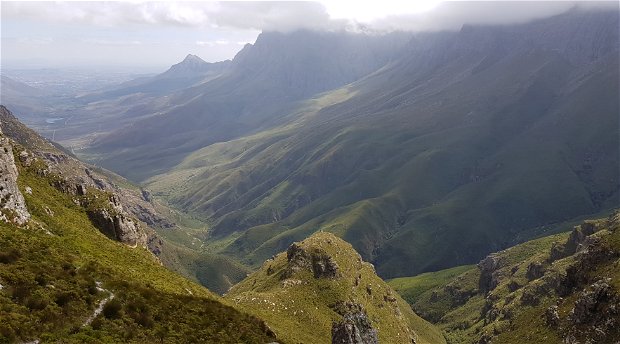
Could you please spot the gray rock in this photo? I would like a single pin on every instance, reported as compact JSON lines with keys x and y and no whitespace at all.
{"x":590,"y":305}
{"x":488,"y":276}
{"x":552,"y":317}
{"x":317,"y":261}
{"x":12,"y":204}
{"x":117,"y":226}
{"x":355,"y":327}
{"x":534,"y":271}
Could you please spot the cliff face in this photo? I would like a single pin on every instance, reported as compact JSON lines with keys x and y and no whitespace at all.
{"x":108,"y":206}
{"x":12,"y":205}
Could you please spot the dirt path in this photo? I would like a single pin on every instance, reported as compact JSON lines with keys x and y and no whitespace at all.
{"x":99,"y":308}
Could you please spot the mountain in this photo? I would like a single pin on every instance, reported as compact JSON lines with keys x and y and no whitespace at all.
{"x":556,"y":289}
{"x":131,"y":216}
{"x":74,"y":267}
{"x":21,"y":96}
{"x":259,"y":88}
{"x":192,"y":66}
{"x":468,"y":143}
{"x":320,"y":291}
{"x":189,"y":72}
{"x":62,"y":278}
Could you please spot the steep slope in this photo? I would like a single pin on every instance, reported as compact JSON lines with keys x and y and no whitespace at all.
{"x":22,"y":97}
{"x":257,"y":91}
{"x":470,"y":142}
{"x":317,"y":288}
{"x":557,"y":289}
{"x":61,"y":279}
{"x":131,"y":216}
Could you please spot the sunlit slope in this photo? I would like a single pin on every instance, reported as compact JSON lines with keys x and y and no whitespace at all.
{"x":556,"y":289}
{"x":57,"y":269}
{"x":303,"y":292}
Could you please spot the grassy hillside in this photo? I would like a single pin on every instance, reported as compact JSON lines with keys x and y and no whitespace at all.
{"x":411,"y":288}
{"x":469,"y":143}
{"x":301,"y":307}
{"x":531,"y":293}
{"x":59,"y":268}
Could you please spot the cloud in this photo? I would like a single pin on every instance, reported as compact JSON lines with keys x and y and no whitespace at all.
{"x":287,"y":16}
{"x":214,"y":43}
{"x":96,"y":41}
{"x":452,"y":15}
{"x":263,"y":15}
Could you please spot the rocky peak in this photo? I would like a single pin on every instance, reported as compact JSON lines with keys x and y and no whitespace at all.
{"x":316,"y":260}
{"x":193,"y":66}
{"x":324,"y":278}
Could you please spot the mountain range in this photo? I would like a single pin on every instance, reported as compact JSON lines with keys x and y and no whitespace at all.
{"x":295,"y":177}
{"x":77,"y":266}
{"x":462,"y":143}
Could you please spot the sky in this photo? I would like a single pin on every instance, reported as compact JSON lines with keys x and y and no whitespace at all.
{"x":159,"y":34}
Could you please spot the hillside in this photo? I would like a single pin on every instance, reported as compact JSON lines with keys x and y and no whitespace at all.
{"x":311,"y":292}
{"x":75,"y":266}
{"x":63,"y":279}
{"x":557,"y":289}
{"x":439,"y":158}
{"x":141,"y":220}
{"x":256,"y":91}
{"x":189,"y":72}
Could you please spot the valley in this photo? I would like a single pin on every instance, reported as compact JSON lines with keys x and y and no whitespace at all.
{"x":350,"y":185}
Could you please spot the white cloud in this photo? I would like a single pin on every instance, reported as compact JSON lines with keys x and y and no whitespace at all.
{"x":263,"y":15}
{"x":285,"y":16}
{"x":452,"y":15}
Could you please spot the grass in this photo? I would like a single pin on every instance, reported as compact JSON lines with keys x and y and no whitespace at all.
{"x":303,"y":311}
{"x":417,"y":176}
{"x":49,"y":271}
{"x":410,"y":288}
{"x":452,"y":300}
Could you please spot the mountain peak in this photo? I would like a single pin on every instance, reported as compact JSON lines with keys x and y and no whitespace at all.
{"x":193,"y":66}
{"x":193,"y":59}
{"x":324,"y":278}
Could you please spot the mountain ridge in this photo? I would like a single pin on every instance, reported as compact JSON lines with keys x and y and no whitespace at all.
{"x":397,"y":165}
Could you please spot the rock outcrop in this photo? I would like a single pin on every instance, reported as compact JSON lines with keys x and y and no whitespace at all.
{"x":117,"y":226}
{"x":488,"y":277}
{"x":115,"y":211}
{"x":596,"y":315}
{"x":355,"y":327}
{"x":535,"y":270}
{"x":12,"y":204}
{"x":319,"y":262}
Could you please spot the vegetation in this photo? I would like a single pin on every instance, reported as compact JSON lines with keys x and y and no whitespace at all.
{"x":411,"y":288}
{"x":301,"y":307}
{"x":427,"y":163}
{"x":59,"y":268}
{"x":516,"y":309}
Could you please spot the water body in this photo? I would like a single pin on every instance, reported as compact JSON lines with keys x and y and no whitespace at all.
{"x":53,"y":120}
